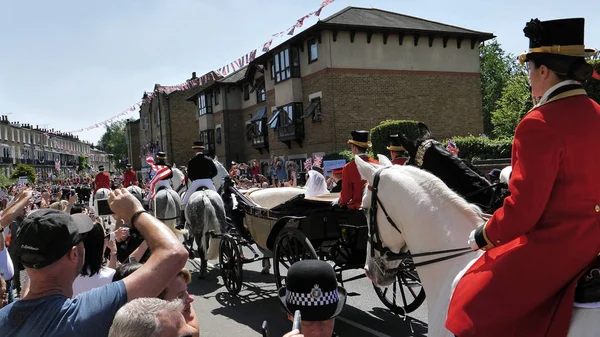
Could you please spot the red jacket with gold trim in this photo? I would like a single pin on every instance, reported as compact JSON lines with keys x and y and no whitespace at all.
{"x":353,"y":184}
{"x":102,"y":180}
{"x":546,"y":234}
{"x":129,"y":178}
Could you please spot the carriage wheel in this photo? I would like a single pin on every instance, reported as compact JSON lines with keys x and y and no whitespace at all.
{"x":405,"y":295}
{"x":291,"y":246}
{"x":231,"y":264}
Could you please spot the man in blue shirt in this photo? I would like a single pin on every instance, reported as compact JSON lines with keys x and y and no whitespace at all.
{"x":49,"y":245}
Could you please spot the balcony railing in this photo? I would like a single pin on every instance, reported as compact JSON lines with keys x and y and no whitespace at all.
{"x":292,"y":131}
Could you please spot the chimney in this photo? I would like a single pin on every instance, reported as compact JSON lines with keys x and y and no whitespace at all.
{"x":193,"y":75}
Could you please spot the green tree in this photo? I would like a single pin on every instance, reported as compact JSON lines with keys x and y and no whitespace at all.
{"x":82,"y":162}
{"x":24,"y":170}
{"x":496,"y":67}
{"x":514,"y":104}
{"x":113,"y":142}
{"x":5,"y":181}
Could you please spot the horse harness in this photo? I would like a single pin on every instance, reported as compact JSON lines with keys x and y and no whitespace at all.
{"x":376,"y":243}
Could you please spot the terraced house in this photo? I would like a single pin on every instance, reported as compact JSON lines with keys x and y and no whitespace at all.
{"x":349,"y":71}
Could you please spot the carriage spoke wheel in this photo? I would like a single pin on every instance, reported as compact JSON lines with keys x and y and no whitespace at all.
{"x":231,"y":264}
{"x":403,"y":296}
{"x":291,"y":246}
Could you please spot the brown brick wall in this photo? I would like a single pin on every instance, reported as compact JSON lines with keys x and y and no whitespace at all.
{"x":134,"y":139}
{"x":449,"y":103}
{"x":180,"y":125}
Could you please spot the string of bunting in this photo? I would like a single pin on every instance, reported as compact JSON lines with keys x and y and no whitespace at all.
{"x":224,"y":71}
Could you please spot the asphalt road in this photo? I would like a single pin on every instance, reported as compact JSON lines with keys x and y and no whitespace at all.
{"x":221,"y":314}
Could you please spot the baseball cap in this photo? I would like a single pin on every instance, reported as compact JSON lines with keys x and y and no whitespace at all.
{"x":47,"y":235}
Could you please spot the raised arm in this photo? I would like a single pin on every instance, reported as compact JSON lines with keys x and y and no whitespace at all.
{"x":168,"y":254}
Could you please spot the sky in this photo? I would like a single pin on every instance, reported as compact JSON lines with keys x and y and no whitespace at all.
{"x":69,"y":64}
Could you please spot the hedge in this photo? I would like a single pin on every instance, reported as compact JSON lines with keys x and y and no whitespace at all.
{"x":380,"y":134}
{"x":477,"y":148}
{"x":24,"y":170}
{"x":346,"y":154}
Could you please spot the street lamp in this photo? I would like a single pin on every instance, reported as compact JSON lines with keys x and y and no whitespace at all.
{"x":110,"y":156}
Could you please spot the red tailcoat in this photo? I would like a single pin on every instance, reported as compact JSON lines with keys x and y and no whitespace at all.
{"x":546,"y":234}
{"x":399,"y":160}
{"x":102,"y":180}
{"x":129,"y":178}
{"x":353,"y":184}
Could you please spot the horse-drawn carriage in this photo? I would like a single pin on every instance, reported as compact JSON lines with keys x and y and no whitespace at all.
{"x":291,"y":227}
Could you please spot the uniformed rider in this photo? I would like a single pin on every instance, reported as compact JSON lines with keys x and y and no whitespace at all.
{"x":200,"y":169}
{"x":162,"y":181}
{"x":397,"y":152}
{"x":129,"y":177}
{"x":102,"y":179}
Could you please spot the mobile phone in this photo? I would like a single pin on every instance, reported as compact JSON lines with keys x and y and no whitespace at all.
{"x":265,"y":329}
{"x":297,"y":320}
{"x":102,"y":207}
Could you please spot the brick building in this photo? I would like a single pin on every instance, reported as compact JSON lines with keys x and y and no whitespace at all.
{"x":132,"y":137}
{"x":349,"y":71}
{"x":39,"y":148}
{"x":166,"y":124}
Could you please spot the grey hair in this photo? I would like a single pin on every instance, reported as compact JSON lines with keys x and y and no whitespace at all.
{"x":139,"y":318}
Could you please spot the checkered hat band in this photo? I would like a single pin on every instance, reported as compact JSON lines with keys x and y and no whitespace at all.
{"x":308,"y":300}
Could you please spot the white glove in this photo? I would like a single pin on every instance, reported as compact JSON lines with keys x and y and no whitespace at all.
{"x":472,"y":242}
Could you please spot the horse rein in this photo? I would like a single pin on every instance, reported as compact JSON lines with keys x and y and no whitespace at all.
{"x":376,"y":243}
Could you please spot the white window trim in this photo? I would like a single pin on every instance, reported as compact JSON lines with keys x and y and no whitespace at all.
{"x":312,"y":96}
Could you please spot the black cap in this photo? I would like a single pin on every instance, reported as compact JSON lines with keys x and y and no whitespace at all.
{"x":128,"y":166}
{"x":47,"y":235}
{"x":101,"y":168}
{"x":311,"y":287}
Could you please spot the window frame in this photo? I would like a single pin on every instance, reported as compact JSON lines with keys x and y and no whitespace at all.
{"x":310,"y":43}
{"x":285,"y":64}
{"x":205,"y":104}
{"x":217,"y":96}
{"x":261,"y":93}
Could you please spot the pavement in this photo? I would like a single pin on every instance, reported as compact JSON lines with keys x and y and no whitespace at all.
{"x":221,"y":314}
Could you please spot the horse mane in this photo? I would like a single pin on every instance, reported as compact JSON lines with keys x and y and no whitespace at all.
{"x":435,"y":185}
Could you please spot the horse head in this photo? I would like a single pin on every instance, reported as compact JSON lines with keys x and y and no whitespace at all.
{"x":178,"y":178}
{"x":427,"y":153}
{"x":137,"y":192}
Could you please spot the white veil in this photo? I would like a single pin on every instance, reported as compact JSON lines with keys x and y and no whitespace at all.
{"x":316,"y":184}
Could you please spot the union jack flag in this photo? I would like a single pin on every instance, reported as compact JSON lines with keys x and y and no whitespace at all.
{"x":160,"y":172}
{"x":308,"y":164}
{"x":452,"y":148}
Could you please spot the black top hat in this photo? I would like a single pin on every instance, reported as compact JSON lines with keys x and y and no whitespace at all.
{"x":128,"y":166}
{"x":198,"y":145}
{"x":161,"y":155}
{"x":47,"y":235}
{"x":311,"y":287}
{"x":101,"y":168}
{"x":395,"y":144}
{"x":360,"y":138}
{"x":558,"y":37}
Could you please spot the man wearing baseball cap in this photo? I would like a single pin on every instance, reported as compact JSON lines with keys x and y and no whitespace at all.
{"x":49,"y":245}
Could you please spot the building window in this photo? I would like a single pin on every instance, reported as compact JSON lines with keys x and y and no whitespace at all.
{"x":217,"y":96}
{"x":314,"y":110}
{"x":313,"y":54}
{"x":218,"y":136}
{"x":261,"y":93}
{"x":208,"y":137}
{"x":246,"y":91}
{"x":204,"y":104}
{"x":286,"y":64}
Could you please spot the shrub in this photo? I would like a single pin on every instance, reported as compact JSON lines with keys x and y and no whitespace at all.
{"x":380,"y":133}
{"x":477,"y":148}
{"x":24,"y":170}
{"x":346,"y":154}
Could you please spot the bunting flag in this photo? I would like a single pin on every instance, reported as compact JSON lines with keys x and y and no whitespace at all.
{"x":150,"y":159}
{"x":224,"y":71}
{"x":318,"y":161}
{"x":308,"y":164}
{"x":452,"y":148}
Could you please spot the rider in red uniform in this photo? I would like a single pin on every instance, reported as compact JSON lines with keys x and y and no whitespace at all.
{"x":129,"y":177}
{"x":102,"y":179}
{"x":547,"y":233}
{"x":397,"y":152}
{"x":353,"y":184}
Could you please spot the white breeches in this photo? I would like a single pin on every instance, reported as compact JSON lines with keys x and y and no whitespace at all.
{"x":208,"y":183}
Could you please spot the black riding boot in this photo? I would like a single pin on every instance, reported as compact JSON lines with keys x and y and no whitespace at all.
{"x":181,"y":224}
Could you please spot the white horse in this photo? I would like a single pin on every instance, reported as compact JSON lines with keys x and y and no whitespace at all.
{"x":432,"y":218}
{"x":179,"y":183}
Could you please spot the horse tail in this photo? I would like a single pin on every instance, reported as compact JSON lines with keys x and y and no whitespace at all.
{"x":210,"y":223}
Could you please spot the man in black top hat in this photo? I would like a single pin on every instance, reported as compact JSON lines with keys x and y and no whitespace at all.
{"x":312,"y":288}
{"x":201,"y":169}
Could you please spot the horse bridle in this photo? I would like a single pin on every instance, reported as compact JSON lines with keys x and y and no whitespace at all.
{"x":377,"y":245}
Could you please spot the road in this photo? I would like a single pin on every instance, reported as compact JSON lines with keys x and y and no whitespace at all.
{"x":220,"y":314}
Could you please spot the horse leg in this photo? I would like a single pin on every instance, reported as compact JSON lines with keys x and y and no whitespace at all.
{"x":202,"y":256}
{"x":266,"y":264}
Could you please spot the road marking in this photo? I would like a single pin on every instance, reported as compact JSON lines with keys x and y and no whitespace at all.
{"x":362,"y":327}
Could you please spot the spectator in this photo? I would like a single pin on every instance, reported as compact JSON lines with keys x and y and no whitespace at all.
{"x":95,"y":273}
{"x":176,"y":289}
{"x":311,"y":287}
{"x":49,"y":246}
{"x":150,"y":317}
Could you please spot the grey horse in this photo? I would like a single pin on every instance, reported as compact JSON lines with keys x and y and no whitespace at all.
{"x":205,"y":214}
{"x":137,"y":192}
{"x":166,"y":207}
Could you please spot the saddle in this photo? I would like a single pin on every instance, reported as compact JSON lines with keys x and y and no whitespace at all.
{"x":588,"y":286}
